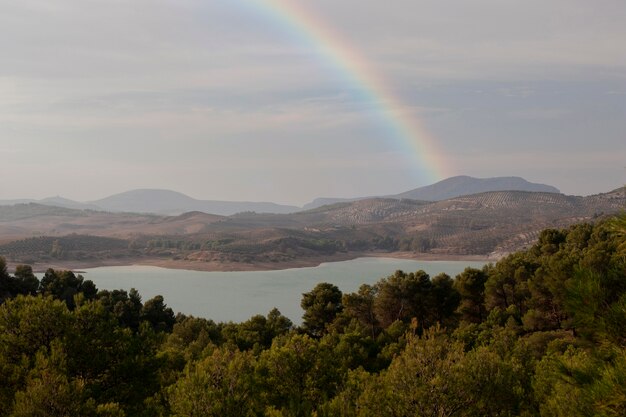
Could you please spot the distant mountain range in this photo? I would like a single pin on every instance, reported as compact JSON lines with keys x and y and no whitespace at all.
{"x":164,"y":202}
{"x":167,"y":202}
{"x":174,"y":203}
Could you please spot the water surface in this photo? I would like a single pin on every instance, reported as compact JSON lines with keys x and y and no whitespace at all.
{"x":236,"y":296}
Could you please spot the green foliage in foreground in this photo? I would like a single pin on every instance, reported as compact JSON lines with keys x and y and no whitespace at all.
{"x":542,"y":332}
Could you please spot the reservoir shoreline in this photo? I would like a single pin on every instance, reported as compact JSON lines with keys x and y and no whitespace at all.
{"x":217,"y":266}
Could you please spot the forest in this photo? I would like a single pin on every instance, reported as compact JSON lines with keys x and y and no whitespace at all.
{"x":542,"y":332}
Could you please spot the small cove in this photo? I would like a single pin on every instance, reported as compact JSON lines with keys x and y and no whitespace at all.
{"x":236,"y":296}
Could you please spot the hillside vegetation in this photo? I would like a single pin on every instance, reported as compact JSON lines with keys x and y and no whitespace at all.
{"x":540,"y":333}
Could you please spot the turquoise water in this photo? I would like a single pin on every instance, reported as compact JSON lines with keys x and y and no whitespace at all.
{"x":236,"y":296}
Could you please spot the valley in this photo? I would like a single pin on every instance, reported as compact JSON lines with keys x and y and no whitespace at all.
{"x":483,"y":226}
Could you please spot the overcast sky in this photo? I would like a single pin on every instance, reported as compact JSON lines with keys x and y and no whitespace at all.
{"x":227,"y":99}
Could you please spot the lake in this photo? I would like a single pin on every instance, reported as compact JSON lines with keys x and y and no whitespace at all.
{"x":236,"y":296}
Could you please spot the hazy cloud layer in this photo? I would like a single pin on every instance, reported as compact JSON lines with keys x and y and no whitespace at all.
{"x":223,"y":100}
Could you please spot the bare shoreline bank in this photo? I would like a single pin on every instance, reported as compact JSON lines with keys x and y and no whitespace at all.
{"x":216,"y":266}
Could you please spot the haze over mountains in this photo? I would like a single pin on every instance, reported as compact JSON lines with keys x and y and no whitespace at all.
{"x":450,"y":188}
{"x":166,"y":202}
{"x":174,"y":203}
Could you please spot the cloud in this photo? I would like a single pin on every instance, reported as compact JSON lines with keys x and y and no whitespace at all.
{"x":484,"y":38}
{"x":97,"y":83}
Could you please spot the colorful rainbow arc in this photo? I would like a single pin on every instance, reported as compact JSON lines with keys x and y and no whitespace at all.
{"x":330,"y":46}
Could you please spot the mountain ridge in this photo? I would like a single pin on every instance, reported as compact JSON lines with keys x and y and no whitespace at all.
{"x":168,"y":202}
{"x":450,"y":188}
{"x":173,"y":203}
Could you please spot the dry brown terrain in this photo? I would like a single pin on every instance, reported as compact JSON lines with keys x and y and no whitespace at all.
{"x":486,"y":226}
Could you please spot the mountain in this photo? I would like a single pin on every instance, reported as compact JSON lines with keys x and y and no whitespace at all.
{"x":163,"y":202}
{"x":450,"y":188}
{"x":464,"y":185}
{"x":174,"y":203}
{"x":492,"y":223}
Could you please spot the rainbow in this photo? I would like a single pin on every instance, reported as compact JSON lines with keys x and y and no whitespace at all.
{"x":405,"y":128}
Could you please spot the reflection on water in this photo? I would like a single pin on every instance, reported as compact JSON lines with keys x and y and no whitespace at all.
{"x":236,"y":296}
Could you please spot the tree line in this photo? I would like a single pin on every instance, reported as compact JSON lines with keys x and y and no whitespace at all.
{"x":541,"y":332}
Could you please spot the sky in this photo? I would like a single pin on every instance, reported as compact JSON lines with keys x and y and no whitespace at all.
{"x":289,"y":100}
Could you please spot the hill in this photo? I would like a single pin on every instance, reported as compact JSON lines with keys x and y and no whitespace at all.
{"x":464,"y":185}
{"x":450,"y":188}
{"x":40,"y":220}
{"x":174,"y":203}
{"x":490,"y":224}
